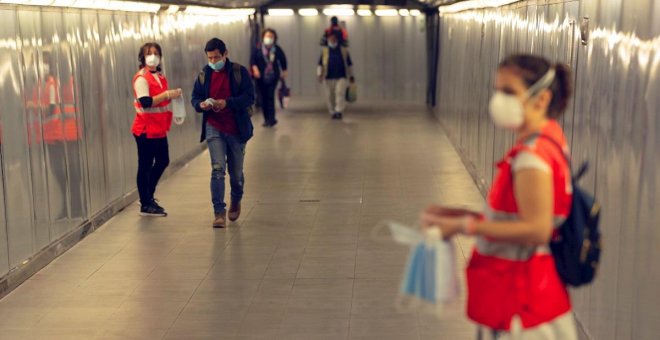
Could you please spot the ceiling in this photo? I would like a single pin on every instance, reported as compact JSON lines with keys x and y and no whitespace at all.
{"x":307,"y":3}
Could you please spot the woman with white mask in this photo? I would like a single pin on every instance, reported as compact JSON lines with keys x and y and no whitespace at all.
{"x":152,"y":122}
{"x":269,"y":66}
{"x":514,"y":291}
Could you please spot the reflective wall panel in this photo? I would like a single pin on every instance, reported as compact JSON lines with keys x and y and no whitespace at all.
{"x":388,"y":54}
{"x":612,"y":123}
{"x":65,"y":87}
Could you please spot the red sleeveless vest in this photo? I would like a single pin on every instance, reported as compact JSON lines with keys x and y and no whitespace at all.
{"x":508,"y":279}
{"x":155,"y":121}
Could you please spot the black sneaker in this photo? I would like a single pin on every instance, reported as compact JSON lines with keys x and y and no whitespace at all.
{"x":155,"y":204}
{"x":152,"y":210}
{"x":336,"y":115}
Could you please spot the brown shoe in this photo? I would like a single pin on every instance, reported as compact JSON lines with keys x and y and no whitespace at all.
{"x":220,"y":221}
{"x":234,"y":211}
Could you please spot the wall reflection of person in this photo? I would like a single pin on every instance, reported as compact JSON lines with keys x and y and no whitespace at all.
{"x":72,"y":133}
{"x":53,"y":136}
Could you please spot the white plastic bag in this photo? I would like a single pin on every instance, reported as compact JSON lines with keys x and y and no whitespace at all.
{"x":179,"y":110}
{"x":430,"y":278}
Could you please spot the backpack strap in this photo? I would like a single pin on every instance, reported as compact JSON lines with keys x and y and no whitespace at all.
{"x":201,"y":77}
{"x":237,"y":73}
{"x":583,"y":168}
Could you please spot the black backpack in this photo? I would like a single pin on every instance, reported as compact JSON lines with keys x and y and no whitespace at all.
{"x":577,"y":245}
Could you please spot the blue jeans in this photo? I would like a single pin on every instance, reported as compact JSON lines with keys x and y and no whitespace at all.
{"x":227,"y":152}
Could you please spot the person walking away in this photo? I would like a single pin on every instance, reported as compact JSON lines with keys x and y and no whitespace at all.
{"x":269,"y":65}
{"x":334,"y":70}
{"x":338,"y":30}
{"x":223,"y":92}
{"x":514,"y":290}
{"x":152,"y":122}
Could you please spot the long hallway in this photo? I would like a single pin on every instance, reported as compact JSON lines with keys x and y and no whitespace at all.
{"x":300,"y":263}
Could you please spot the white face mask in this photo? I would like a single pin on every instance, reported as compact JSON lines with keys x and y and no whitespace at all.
{"x":268,"y":41}
{"x":152,"y":60}
{"x":507,"y":110}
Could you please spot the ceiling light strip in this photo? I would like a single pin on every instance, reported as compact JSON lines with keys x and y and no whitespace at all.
{"x":472,"y":5}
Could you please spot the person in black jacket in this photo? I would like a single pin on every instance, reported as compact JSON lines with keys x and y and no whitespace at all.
{"x":223,"y":92}
{"x":268,"y":64}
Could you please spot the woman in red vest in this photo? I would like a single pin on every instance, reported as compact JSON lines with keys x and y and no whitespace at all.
{"x":152,"y":122}
{"x":514,"y":291}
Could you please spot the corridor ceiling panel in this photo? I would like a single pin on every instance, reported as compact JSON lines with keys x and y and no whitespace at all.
{"x":300,"y":3}
{"x":219,"y":3}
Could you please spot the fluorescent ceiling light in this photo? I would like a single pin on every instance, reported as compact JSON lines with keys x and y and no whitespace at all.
{"x":208,"y":11}
{"x":387,"y":12}
{"x":339,"y":12}
{"x":241,"y":12}
{"x":308,"y":12}
{"x":132,"y":6}
{"x":280,"y":12}
{"x":404,"y":12}
{"x":473,"y":4}
{"x":364,"y":12}
{"x":415,"y":12}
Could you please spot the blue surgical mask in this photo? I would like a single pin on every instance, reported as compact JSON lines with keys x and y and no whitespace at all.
{"x":217,"y":66}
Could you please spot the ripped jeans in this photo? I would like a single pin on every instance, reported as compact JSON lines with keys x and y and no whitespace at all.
{"x":227,"y":153}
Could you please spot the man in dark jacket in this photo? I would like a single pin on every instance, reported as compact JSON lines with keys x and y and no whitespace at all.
{"x":223,"y":92}
{"x":335,"y":70}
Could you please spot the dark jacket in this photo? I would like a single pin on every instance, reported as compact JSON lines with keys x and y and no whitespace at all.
{"x":279,"y":63}
{"x":335,"y":63}
{"x":241,"y":99}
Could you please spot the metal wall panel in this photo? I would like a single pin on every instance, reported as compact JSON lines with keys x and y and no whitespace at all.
{"x":14,"y":160}
{"x":27,"y":195}
{"x":386,"y":53}
{"x":612,"y":122}
{"x":81,"y":63}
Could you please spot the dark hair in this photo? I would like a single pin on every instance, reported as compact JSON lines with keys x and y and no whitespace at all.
{"x":334,"y":21}
{"x":145,"y":49}
{"x":532,"y":68}
{"x":215,"y":44}
{"x":263,"y":34}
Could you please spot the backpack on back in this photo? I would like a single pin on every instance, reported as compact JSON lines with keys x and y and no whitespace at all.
{"x":576,"y":244}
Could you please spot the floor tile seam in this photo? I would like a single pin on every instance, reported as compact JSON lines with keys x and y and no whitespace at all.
{"x":252,"y":299}
{"x":182,"y":309}
{"x":108,"y":260}
{"x":39,"y":319}
{"x":357,"y":246}
{"x":217,"y":257}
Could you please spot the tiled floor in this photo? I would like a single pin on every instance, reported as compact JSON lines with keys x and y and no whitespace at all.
{"x":300,"y":263}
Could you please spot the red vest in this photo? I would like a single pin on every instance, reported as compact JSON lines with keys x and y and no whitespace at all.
{"x":155,"y":121}
{"x":52,"y":123}
{"x":72,"y":130}
{"x":507,"y":279}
